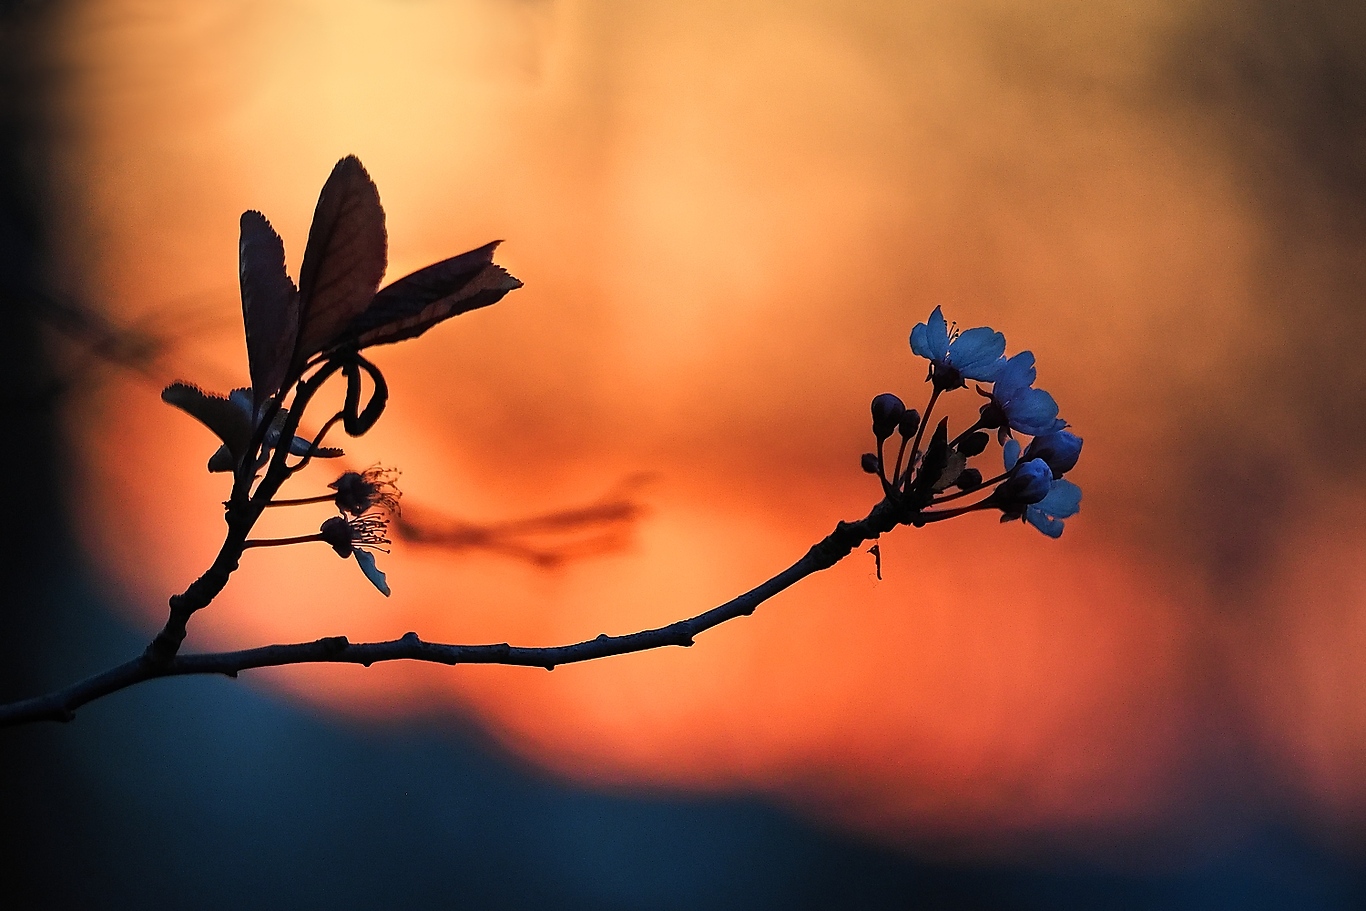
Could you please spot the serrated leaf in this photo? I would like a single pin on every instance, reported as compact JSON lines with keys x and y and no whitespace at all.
{"x":228,"y":419}
{"x":299,"y":446}
{"x":270,"y":306}
{"x":372,"y":572}
{"x":416,"y":302}
{"x":345,"y":257}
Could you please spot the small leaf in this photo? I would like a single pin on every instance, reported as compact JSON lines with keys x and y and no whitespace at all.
{"x":270,"y":306}
{"x":953,"y":467}
{"x":372,"y":572}
{"x":345,"y":257}
{"x":933,"y":463}
{"x":413,"y":304}
{"x":228,"y":419}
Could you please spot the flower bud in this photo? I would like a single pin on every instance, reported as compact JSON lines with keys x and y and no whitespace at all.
{"x":870,"y":462}
{"x":969,"y":479}
{"x":909,"y":424}
{"x":1028,"y":484}
{"x":1060,"y":450}
{"x":887,"y":412}
{"x":973,"y":444}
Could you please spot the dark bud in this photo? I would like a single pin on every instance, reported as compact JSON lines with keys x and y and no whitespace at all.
{"x":1029,"y":483}
{"x":337,"y":532}
{"x":870,"y":462}
{"x":969,"y":479}
{"x":887,"y":412}
{"x":910,"y":423}
{"x":354,"y":493}
{"x":973,"y":444}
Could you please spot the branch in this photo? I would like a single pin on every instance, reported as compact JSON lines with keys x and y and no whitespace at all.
{"x":62,"y":705}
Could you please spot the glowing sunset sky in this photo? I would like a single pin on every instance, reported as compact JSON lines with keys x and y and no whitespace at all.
{"x":728,"y":218}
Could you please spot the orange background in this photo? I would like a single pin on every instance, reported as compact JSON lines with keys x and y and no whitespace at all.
{"x":728,"y":217}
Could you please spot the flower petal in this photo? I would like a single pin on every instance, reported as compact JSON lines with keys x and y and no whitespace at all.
{"x":1011,"y":453}
{"x":1033,"y":411}
{"x":920,"y":344}
{"x":930,"y":339}
{"x":1018,"y":373}
{"x":1063,"y":500}
{"x":1049,"y":526}
{"x":977,"y":353}
{"x":372,"y":572}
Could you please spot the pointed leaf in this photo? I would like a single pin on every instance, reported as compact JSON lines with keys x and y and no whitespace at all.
{"x":270,"y":306}
{"x":226,"y":418}
{"x":933,"y":463}
{"x":416,"y":302}
{"x":345,"y":257}
{"x":372,"y":572}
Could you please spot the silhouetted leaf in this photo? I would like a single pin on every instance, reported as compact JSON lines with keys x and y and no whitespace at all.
{"x":228,"y":419}
{"x":345,"y":257}
{"x":416,"y":302}
{"x":270,"y":306}
{"x":933,"y":464}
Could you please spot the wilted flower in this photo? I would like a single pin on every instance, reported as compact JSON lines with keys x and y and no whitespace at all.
{"x":1016,"y":405}
{"x":954,"y":357}
{"x":350,"y":537}
{"x":359,"y":491}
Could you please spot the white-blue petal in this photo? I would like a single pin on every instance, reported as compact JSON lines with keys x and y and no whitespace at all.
{"x":977,"y":353}
{"x":372,"y":572}
{"x":1032,"y":411}
{"x":937,"y":335}
{"x":920,"y":345}
{"x":1018,"y":373}
{"x":1011,"y":452}
{"x":1063,"y":500}
{"x":1049,"y":526}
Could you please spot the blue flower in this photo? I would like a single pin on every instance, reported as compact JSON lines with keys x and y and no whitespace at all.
{"x":1062,"y":501}
{"x":1015,"y":403}
{"x":1059,"y":449}
{"x":972,"y":355}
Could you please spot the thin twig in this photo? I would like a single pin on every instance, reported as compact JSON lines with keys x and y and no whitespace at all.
{"x":62,"y":705}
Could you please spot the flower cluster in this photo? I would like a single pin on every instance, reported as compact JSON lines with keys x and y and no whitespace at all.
{"x":924,"y":482}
